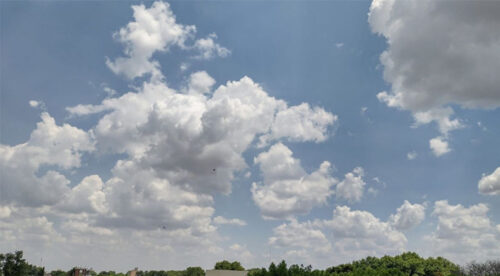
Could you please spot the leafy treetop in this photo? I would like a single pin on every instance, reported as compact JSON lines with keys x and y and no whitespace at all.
{"x":226,"y":265}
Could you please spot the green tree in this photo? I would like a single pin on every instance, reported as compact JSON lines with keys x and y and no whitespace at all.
{"x":224,"y":265}
{"x":255,"y":272}
{"x":258,"y":272}
{"x":281,"y":269}
{"x":237,"y":266}
{"x":272,"y":270}
{"x":406,"y":264}
{"x":194,"y":271}
{"x":13,"y":264}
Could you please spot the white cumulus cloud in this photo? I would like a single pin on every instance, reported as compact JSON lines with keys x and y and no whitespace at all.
{"x":439,"y":146}
{"x":440,"y":53}
{"x":348,"y":234}
{"x":300,"y":236}
{"x":87,"y":196}
{"x":461,"y":230}
{"x":208,"y":48}
{"x":490,"y":184}
{"x":181,"y":148}
{"x":407,"y":216}
{"x":352,"y":187}
{"x":60,"y":147}
{"x":300,"y":123}
{"x":360,"y":232}
{"x":155,"y":29}
{"x":200,"y":83}
{"x":287,"y":189}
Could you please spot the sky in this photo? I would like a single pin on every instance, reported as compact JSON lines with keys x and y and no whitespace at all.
{"x":163,"y":135}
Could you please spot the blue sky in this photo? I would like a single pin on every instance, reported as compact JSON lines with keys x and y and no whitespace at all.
{"x":144,"y":136}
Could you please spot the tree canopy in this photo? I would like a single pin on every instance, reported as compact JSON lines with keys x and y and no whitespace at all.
{"x":406,"y":264}
{"x":13,"y":264}
{"x":409,"y":263}
{"x":226,"y":265}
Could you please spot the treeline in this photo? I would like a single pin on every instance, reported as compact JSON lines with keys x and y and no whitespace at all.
{"x":190,"y":271}
{"x":486,"y":268}
{"x":226,"y":265}
{"x":406,"y":264}
{"x":14,"y":264}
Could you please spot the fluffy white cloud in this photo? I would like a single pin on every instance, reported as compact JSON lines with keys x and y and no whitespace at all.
{"x":288,"y":190}
{"x":407,"y":216}
{"x":194,"y":141}
{"x":439,"y":53}
{"x":352,"y":187}
{"x":361,"y":233}
{"x":442,"y":118}
{"x":155,"y":29}
{"x":87,"y":196}
{"x":205,"y":133}
{"x":234,"y":221}
{"x":28,"y":228}
{"x":200,"y":83}
{"x":49,"y":145}
{"x":300,"y":123}
{"x":295,"y":235}
{"x":81,"y":228}
{"x":348,"y":234}
{"x":138,"y":199}
{"x":209,"y":49}
{"x":439,"y":146}
{"x":490,"y":184}
{"x":462,"y":230}
{"x":182,"y":147}
{"x":55,"y":235}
